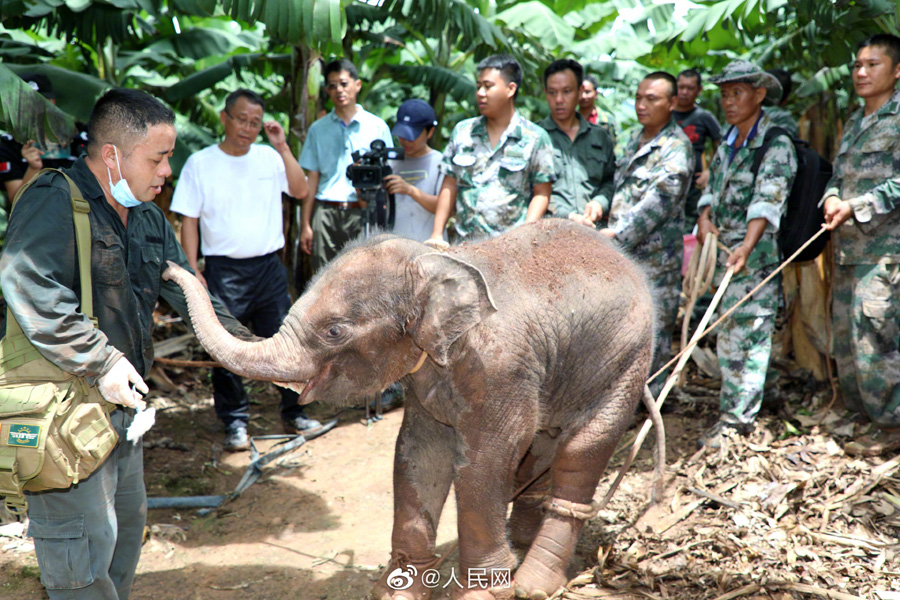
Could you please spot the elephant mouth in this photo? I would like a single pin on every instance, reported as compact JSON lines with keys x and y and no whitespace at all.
{"x":303,"y":387}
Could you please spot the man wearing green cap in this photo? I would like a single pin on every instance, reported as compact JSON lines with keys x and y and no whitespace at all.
{"x":861,"y":207}
{"x":745,"y":213}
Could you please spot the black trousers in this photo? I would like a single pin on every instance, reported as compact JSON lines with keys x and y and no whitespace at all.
{"x":255,"y":292}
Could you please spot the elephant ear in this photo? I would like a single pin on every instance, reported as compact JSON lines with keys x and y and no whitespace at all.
{"x":452,"y":297}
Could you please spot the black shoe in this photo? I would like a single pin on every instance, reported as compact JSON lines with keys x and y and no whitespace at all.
{"x":236,"y":439}
{"x":302,"y":425}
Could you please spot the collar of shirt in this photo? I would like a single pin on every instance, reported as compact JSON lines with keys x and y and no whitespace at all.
{"x":512,"y":132}
{"x":583,"y":124}
{"x":733,"y":134}
{"x":355,"y":119}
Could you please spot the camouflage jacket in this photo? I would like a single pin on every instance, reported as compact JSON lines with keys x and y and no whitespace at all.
{"x":494,"y":185}
{"x":736,"y":197}
{"x":40,"y":279}
{"x":647,"y":212}
{"x":867,"y":174}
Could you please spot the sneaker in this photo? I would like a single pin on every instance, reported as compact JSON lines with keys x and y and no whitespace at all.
{"x":236,"y":439}
{"x":717,"y":436}
{"x":301,"y":424}
{"x":875,"y":444}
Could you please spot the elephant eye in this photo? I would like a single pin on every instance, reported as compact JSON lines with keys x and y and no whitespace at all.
{"x":334,"y":331}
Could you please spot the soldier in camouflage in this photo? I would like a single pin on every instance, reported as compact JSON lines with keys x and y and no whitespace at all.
{"x":498,"y":167}
{"x":745,"y":213}
{"x":646,"y":214}
{"x":861,"y":208}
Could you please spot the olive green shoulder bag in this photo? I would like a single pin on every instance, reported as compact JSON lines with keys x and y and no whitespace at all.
{"x":55,"y":429}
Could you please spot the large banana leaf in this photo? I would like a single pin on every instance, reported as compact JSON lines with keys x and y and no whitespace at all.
{"x":314,"y":23}
{"x":440,"y":79}
{"x":539,"y":21}
{"x":208,"y":77}
{"x":75,"y":92}
{"x":27,"y":115}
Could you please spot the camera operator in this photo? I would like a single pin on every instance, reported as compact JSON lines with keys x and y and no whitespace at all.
{"x":417,"y":178}
{"x":332,"y":214}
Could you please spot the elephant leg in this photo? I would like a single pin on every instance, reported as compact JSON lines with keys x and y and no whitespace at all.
{"x":423,"y":471}
{"x":528,"y":506}
{"x":484,"y":486}
{"x":575,"y":473}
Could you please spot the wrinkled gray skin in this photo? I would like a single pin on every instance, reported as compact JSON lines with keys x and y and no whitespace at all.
{"x":538,"y":346}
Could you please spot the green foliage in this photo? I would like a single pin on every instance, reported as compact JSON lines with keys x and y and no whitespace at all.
{"x":30,"y":116}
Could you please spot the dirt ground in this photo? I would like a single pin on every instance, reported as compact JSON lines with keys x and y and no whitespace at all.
{"x":781,"y":514}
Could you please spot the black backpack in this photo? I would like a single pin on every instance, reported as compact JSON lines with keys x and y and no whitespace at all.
{"x":803,"y":218}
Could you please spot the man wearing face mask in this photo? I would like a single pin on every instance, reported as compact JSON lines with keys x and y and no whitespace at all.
{"x":88,"y":538}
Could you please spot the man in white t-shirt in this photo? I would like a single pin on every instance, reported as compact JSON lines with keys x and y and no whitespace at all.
{"x":416,"y":179}
{"x":230,"y":197}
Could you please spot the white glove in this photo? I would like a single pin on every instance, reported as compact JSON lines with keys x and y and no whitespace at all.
{"x":119,"y":384}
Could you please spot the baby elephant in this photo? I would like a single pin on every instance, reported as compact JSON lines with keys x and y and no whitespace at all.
{"x":523,"y":358}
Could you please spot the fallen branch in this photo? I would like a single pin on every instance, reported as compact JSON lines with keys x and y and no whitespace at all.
{"x":672,"y":520}
{"x":811,"y":589}
{"x":742,"y":591}
{"x":715,"y":498}
{"x":174,"y":362}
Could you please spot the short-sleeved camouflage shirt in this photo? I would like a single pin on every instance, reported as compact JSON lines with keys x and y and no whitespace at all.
{"x":647,"y":211}
{"x":494,"y":185}
{"x":737,"y":197}
{"x":867,"y":174}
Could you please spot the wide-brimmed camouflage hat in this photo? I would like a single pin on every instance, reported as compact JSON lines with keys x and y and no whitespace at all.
{"x":744,"y":71}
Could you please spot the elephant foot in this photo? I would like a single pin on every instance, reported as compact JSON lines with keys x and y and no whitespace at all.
{"x":543,"y":571}
{"x":525,"y":521}
{"x":405,"y":579}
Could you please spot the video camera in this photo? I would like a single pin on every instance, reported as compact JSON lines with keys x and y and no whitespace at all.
{"x":367,"y":176}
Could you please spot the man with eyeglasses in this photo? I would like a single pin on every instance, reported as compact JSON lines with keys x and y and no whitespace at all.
{"x":230,"y":198}
{"x":332,"y":214}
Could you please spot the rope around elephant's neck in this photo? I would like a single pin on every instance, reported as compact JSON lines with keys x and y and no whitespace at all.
{"x":420,"y":363}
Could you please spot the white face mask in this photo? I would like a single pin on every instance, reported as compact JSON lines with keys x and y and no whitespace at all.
{"x":121,"y":192}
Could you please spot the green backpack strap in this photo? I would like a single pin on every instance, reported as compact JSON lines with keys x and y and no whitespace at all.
{"x":80,"y":211}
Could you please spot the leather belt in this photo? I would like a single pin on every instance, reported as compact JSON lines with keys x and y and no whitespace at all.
{"x":340,"y":205}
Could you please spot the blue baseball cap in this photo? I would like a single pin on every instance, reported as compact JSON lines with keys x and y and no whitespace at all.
{"x":412,"y":117}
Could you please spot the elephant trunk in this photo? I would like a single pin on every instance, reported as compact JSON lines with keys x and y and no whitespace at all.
{"x":269,"y":359}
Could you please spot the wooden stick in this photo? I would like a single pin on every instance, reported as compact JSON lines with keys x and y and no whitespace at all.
{"x":715,"y":498}
{"x":742,"y":591}
{"x":811,"y":589}
{"x":174,"y":362}
{"x":673,"y":519}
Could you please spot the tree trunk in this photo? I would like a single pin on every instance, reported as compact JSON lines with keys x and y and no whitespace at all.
{"x":305,"y":83}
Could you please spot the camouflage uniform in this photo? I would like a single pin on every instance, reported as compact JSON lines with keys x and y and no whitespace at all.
{"x":867,"y":255}
{"x":494,"y":185}
{"x":647,"y":216}
{"x":780,"y":117}
{"x":745,"y":339}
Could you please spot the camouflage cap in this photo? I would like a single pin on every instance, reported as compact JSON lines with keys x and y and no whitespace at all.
{"x":744,"y":71}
